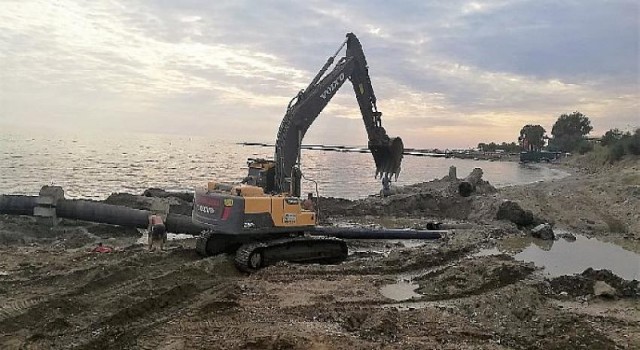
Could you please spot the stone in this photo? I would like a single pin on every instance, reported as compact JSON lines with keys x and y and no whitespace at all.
{"x":603,"y":289}
{"x":453,"y":175}
{"x":511,"y":211}
{"x":45,"y":209}
{"x":567,"y":236}
{"x":543,"y":231}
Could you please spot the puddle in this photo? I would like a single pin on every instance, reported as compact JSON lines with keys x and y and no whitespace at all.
{"x":170,"y":237}
{"x":488,"y":252}
{"x":400,"y":291}
{"x":4,"y":273}
{"x":384,"y":247}
{"x":564,"y":257}
{"x":417,"y":305}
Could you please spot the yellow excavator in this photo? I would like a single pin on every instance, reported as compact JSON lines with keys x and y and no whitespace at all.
{"x":262,"y":220}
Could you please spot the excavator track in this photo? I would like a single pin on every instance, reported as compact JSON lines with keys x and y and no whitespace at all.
{"x":201,"y":243}
{"x":253,"y":256}
{"x":211,"y":243}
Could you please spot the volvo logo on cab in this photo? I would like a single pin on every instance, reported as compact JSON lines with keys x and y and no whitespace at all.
{"x":205,"y":209}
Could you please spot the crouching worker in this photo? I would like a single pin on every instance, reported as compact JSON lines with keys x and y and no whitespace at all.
{"x":308,"y":204}
{"x":157,"y":232}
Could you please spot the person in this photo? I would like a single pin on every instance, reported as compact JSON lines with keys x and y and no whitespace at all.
{"x":102,"y":249}
{"x":308,"y":204}
{"x":157,"y":232}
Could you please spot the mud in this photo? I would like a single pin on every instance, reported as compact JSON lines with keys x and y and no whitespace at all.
{"x":56,"y":294}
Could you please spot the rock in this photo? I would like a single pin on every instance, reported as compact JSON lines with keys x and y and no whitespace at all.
{"x":543,"y":231}
{"x":602,"y":289}
{"x":567,"y":236}
{"x":468,"y":185}
{"x":512,"y":211}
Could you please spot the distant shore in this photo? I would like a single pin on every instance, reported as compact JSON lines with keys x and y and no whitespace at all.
{"x":416,"y":152}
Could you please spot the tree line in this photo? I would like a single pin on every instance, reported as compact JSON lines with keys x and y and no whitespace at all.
{"x":569,"y":135}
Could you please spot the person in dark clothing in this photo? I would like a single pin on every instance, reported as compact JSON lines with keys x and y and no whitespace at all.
{"x":308,"y":204}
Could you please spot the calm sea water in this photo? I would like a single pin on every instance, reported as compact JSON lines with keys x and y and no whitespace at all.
{"x":96,"y":165}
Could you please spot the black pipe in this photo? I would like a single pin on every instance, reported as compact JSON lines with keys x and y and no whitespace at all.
{"x":376,"y":233}
{"x":17,"y":205}
{"x":124,"y":216}
{"x":97,"y":212}
{"x":182,"y":224}
{"x":103,"y":213}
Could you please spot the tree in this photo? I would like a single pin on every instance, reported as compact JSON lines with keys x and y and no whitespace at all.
{"x":532,"y":137}
{"x":569,"y":131}
{"x":610,"y":137}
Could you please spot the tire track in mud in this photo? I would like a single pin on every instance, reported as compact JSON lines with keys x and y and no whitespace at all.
{"x":143,"y":303}
{"x":13,"y":308}
{"x":193,"y":292}
{"x":78,"y":300}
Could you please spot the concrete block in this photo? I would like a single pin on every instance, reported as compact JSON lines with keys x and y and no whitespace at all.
{"x":45,"y":212}
{"x":56,"y":192}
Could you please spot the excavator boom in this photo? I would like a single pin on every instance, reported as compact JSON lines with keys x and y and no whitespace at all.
{"x":307,"y":105}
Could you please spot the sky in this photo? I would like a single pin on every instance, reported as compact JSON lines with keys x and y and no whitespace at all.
{"x":447,"y":74}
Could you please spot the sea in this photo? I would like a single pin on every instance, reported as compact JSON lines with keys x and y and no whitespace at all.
{"x":93,"y":165}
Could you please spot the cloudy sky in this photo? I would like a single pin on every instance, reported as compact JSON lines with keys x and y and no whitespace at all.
{"x":446,"y":73}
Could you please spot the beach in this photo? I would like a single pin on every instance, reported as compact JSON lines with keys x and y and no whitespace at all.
{"x":470,"y":290}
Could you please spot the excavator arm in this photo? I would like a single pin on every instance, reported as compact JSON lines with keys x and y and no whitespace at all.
{"x":307,"y":105}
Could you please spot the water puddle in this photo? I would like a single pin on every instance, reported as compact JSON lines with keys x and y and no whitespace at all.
{"x":400,"y":291}
{"x":170,"y":237}
{"x":566,"y":257}
{"x":488,"y":252}
{"x":417,"y":305}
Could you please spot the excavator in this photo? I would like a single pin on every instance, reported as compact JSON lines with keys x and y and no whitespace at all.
{"x":262,"y":220}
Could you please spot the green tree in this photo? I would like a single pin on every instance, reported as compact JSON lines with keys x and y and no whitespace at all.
{"x":633,"y":145}
{"x":569,"y":131}
{"x":610,"y":137}
{"x":532,"y":137}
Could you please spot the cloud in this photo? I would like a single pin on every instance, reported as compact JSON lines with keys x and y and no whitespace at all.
{"x":446,"y":74}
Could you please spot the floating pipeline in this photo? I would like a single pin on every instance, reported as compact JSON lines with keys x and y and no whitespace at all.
{"x":124,"y":216}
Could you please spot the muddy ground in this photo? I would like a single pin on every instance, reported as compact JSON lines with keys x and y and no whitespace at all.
{"x":57,"y":294}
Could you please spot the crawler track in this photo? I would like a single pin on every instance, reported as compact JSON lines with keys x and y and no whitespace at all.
{"x":253,"y":256}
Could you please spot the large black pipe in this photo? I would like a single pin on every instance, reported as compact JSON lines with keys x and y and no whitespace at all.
{"x":124,"y":216}
{"x":103,"y":213}
{"x":376,"y":233}
{"x":97,"y":212}
{"x":17,"y":205}
{"x":182,"y":224}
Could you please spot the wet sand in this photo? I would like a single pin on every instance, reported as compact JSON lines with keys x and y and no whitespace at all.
{"x":446,"y":294}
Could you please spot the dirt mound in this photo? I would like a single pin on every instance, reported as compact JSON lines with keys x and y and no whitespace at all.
{"x":423,"y":257}
{"x":277,"y":342}
{"x":473,"y":276}
{"x":25,"y":230}
{"x":437,"y":199}
{"x":373,"y":326}
{"x":512,"y":211}
{"x":160,"y":193}
{"x":521,"y":318}
{"x":582,"y":285}
{"x":177,"y":204}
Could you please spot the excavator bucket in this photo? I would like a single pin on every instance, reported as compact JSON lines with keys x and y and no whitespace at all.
{"x":388,"y":157}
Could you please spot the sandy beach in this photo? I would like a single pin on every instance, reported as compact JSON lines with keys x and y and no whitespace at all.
{"x":470,"y":290}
